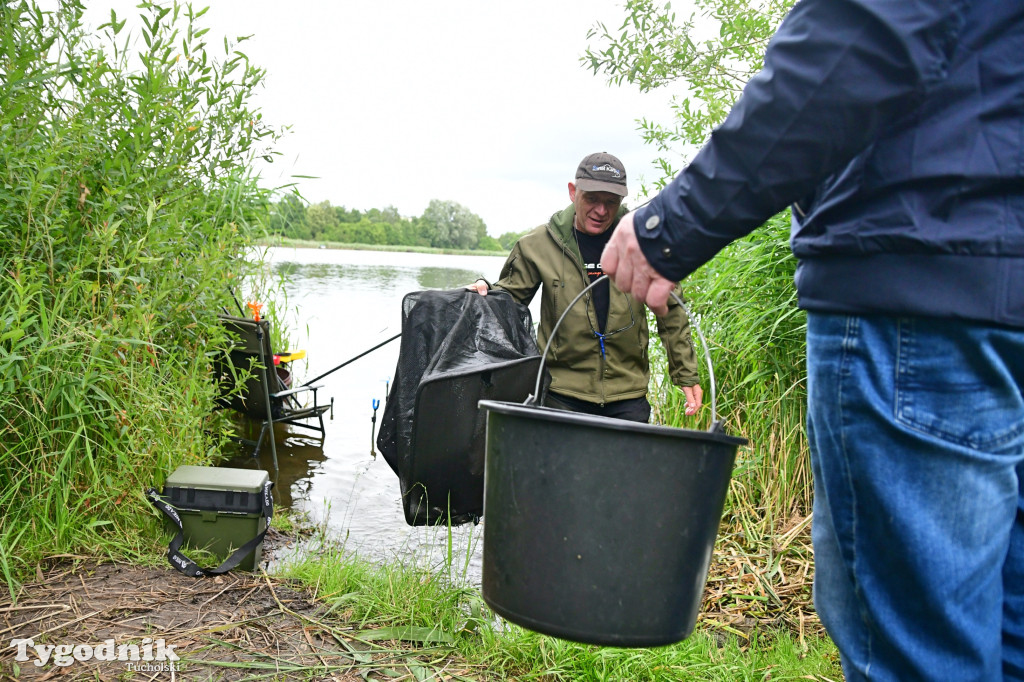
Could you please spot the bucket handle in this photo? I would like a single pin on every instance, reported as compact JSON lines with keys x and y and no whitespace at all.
{"x":716,"y":425}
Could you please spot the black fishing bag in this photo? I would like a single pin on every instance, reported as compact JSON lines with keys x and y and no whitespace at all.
{"x":458,"y":348}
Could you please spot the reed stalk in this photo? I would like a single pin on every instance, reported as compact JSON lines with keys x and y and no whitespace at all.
{"x":745,"y":302}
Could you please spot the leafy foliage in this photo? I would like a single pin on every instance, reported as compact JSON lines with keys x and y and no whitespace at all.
{"x":712,"y":53}
{"x":128,"y":209}
{"x":744,"y":298}
{"x":508,"y":239}
{"x":451,"y":224}
{"x":444,"y":224}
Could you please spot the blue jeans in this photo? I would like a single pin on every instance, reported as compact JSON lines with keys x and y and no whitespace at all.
{"x":916,"y":429}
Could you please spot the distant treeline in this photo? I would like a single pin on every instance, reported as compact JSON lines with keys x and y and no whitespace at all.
{"x":443,"y":225}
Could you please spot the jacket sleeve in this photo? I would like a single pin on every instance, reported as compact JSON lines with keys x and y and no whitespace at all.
{"x":674,"y":331}
{"x":835,"y":74}
{"x":519,"y":275}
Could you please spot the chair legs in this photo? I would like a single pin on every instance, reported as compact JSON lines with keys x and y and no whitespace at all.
{"x":267,"y":426}
{"x":267,"y":431}
{"x":311,"y":427}
{"x":269,"y":422}
{"x":257,"y":444}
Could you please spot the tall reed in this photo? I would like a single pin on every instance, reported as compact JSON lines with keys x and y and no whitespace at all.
{"x":128,"y":207}
{"x":745,"y":303}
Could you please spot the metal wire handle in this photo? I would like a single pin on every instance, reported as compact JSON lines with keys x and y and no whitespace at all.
{"x":532,"y":399}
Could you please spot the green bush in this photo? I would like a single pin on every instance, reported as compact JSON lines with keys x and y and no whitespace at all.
{"x":128,"y":211}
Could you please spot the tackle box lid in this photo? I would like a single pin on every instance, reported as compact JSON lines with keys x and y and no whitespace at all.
{"x":217,"y":478}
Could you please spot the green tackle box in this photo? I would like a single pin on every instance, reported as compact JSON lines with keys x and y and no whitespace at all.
{"x":220,"y":508}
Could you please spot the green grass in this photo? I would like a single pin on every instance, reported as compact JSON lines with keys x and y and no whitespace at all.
{"x":703,"y":656}
{"x":424,"y":607}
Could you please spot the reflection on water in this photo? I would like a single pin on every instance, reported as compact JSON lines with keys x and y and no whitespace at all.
{"x":443,"y":278}
{"x":317,"y":275}
{"x":340,"y":304}
{"x":305,"y":457}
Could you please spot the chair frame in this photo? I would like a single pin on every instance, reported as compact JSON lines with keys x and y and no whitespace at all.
{"x":251,"y":353}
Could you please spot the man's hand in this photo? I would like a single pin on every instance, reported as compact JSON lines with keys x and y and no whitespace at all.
{"x":694,"y":398}
{"x":479,"y":286}
{"x":623,"y":260}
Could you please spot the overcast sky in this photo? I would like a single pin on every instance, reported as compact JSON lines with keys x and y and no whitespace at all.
{"x":399,"y":102}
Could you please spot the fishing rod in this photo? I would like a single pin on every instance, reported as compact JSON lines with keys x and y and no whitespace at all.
{"x":331,"y":371}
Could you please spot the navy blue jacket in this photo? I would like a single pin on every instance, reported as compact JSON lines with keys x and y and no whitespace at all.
{"x":896,"y":130}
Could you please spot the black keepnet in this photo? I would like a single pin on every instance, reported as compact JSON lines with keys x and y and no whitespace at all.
{"x":457,"y":347}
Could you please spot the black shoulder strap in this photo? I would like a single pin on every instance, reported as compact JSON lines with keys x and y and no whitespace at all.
{"x":189,"y":567}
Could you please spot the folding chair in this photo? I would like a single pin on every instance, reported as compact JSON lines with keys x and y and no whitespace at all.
{"x":266,"y":396}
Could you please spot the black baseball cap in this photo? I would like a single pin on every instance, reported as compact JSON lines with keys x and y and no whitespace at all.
{"x":601,"y":172}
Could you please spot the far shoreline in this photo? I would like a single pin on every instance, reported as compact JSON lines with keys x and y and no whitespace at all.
{"x":312,"y":244}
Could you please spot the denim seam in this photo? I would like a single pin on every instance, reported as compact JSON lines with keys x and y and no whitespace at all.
{"x":972,"y":443}
{"x":852,"y":330}
{"x":900,"y":369}
{"x":904,"y":346}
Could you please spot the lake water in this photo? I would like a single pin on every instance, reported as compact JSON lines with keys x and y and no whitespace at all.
{"x":341,"y":303}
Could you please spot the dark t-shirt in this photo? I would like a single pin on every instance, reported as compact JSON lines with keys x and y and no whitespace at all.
{"x":591,"y":247}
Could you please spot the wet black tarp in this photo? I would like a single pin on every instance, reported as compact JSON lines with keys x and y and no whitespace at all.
{"x":458,"y":348}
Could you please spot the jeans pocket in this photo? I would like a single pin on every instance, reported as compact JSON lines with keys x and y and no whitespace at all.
{"x":947,"y":386}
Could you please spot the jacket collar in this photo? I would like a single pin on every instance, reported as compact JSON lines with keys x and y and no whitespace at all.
{"x":561,"y":226}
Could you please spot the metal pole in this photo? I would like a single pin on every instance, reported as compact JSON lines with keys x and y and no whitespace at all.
{"x":266,"y":393}
{"x":331,"y":371}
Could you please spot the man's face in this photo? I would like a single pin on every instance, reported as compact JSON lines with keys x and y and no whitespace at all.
{"x":595,"y":211}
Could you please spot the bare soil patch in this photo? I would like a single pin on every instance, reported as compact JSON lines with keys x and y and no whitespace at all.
{"x":239,"y":626}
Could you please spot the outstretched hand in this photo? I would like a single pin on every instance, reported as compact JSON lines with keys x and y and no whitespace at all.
{"x":624,"y":262}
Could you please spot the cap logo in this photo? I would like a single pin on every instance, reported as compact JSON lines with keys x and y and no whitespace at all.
{"x":607,"y":168}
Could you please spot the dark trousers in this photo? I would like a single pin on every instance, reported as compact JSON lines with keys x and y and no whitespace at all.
{"x":631,"y":409}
